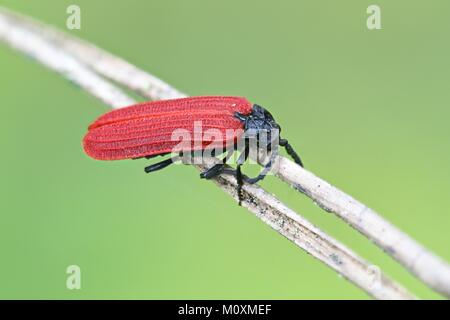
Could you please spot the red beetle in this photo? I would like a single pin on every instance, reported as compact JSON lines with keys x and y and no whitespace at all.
{"x":147,"y":130}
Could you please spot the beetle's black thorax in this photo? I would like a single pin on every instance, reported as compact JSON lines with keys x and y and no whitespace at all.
{"x":258,"y":119}
{"x":260,"y":124}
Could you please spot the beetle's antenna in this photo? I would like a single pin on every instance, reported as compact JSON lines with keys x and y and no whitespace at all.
{"x":290,"y":151}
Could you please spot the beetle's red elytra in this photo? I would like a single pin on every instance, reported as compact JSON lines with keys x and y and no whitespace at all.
{"x":147,"y":130}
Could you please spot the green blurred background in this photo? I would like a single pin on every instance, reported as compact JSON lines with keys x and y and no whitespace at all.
{"x":367,"y":110}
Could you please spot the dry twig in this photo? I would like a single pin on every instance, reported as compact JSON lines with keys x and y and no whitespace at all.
{"x":80,"y":62}
{"x":427,"y":266}
{"x":421,"y":262}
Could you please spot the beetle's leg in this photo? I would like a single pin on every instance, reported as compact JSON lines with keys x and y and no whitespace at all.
{"x":213,"y":171}
{"x":259,"y":177}
{"x":217,"y":168}
{"x":290,"y":151}
{"x":266,"y":168}
{"x":161,"y":165}
{"x":220,"y":168}
{"x":238,"y":173}
{"x":244,"y":154}
{"x":240,"y":182}
{"x":240,"y":116}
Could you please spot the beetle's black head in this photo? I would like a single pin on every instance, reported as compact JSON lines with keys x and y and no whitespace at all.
{"x":260,"y":125}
